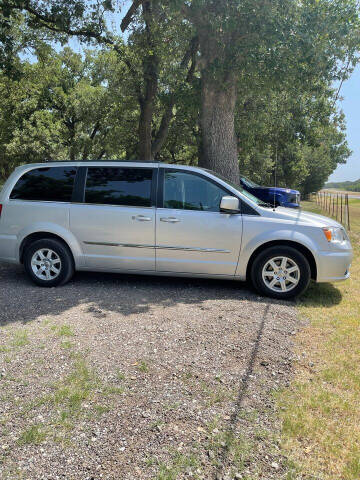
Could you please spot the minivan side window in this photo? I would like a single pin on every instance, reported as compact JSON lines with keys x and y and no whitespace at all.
{"x":49,"y":184}
{"x":119,"y":186}
{"x":188,"y":191}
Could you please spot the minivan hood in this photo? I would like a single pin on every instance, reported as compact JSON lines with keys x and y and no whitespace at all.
{"x":303,"y":217}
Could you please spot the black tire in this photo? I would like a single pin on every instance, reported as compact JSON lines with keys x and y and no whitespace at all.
{"x":66,"y":266}
{"x":280,"y":251}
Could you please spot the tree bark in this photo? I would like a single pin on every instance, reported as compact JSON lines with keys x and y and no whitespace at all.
{"x":150,"y":72}
{"x":219,"y":145}
{"x":163,"y":129}
{"x":129,"y":16}
{"x":91,"y":137}
{"x":70,"y":124}
{"x":161,"y":135}
{"x":145,"y":122}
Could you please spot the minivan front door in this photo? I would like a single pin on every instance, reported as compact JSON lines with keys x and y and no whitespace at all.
{"x":116,"y":222}
{"x":192,"y":235}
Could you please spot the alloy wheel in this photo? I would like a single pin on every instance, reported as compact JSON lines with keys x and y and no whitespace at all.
{"x":281,"y":274}
{"x":46,"y":264}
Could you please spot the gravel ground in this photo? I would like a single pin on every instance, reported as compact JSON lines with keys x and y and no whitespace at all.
{"x":126,"y":377}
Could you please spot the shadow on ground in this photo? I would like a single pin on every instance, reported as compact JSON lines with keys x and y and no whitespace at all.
{"x":324,"y":295}
{"x":101,"y":293}
{"x":22,"y":301}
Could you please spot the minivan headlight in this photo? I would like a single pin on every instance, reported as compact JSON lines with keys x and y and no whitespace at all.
{"x":335,"y":234}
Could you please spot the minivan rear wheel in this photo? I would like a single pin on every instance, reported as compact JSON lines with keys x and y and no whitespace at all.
{"x":48,"y":262}
{"x":281,"y":272}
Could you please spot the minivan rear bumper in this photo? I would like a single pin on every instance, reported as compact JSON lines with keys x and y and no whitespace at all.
{"x":8,"y":248}
{"x":334,"y":266}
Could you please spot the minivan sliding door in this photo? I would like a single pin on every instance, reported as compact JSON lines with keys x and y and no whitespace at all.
{"x":115,"y":223}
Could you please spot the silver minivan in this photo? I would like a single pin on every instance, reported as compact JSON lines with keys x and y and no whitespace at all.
{"x":158,"y":219}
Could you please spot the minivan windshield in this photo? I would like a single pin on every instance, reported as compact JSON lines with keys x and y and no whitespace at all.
{"x":239,"y":188}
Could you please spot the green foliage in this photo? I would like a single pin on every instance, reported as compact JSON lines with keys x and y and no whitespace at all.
{"x":64,"y":107}
{"x":300,"y":139}
{"x":349,"y":186}
{"x":283,"y":56}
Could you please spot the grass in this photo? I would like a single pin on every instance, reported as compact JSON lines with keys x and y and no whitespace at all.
{"x":63,"y":330}
{"x":180,"y":463}
{"x":120,"y":375}
{"x":214,"y":395}
{"x":80,"y":394}
{"x":221,"y":445}
{"x":75,"y":389}
{"x":237,"y":449}
{"x":142,"y":366}
{"x":66,"y":401}
{"x":101,"y":409}
{"x":321,"y":409}
{"x":32,"y":435}
{"x":112,"y":390}
{"x":20,"y":338}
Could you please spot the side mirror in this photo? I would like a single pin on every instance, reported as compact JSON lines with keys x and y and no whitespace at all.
{"x":229,"y":205}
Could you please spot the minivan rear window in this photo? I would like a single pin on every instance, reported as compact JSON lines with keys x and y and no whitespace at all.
{"x":119,"y":186}
{"x":49,"y":184}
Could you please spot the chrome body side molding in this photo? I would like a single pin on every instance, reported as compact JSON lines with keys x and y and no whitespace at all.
{"x":158,"y":247}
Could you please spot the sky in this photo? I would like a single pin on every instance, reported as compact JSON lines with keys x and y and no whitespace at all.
{"x":350,"y":104}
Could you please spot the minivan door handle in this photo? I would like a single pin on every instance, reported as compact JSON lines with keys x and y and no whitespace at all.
{"x":141,"y":218}
{"x":169,"y":219}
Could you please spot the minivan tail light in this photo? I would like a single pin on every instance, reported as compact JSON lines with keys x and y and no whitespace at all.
{"x":0,"y":209}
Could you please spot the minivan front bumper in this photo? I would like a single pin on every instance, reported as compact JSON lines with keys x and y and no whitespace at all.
{"x":334,"y":266}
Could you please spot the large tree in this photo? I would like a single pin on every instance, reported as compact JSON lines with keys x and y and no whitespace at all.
{"x":305,"y":42}
{"x":155,"y":43}
{"x":190,"y":70}
{"x":66,"y":106}
{"x":233,"y":36}
{"x":286,"y":133}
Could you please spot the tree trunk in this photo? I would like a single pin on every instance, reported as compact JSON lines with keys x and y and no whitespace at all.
{"x":163,"y":129}
{"x":219,"y":146}
{"x":150,"y":72}
{"x":145,"y":121}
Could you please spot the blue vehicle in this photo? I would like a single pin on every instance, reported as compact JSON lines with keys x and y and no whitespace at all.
{"x":284,"y":197}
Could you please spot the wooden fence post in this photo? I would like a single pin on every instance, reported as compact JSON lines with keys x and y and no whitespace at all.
{"x":341,"y":208}
{"x":348,"y":211}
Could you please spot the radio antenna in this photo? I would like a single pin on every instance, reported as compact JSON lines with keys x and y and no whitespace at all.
{"x":275,"y":170}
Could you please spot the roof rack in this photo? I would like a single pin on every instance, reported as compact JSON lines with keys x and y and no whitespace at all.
{"x":102,"y":160}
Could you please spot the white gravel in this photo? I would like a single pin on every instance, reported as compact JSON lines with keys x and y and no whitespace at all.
{"x":126,"y":377}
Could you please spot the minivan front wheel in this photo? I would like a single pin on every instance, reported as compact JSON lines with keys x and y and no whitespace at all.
{"x":281,"y":272}
{"x":48,"y":262}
